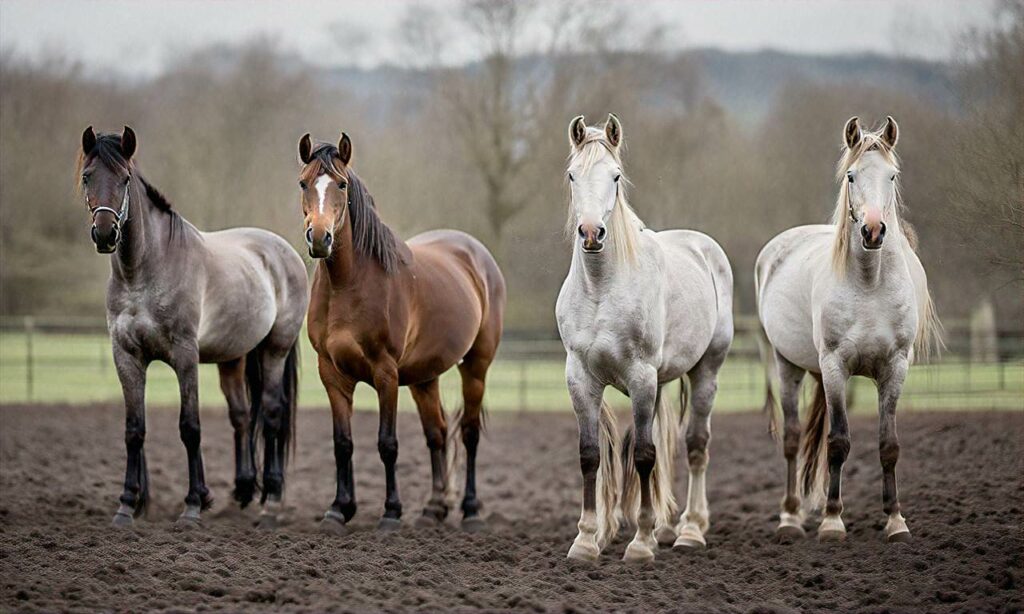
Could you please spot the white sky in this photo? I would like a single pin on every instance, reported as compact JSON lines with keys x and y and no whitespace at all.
{"x":139,"y":38}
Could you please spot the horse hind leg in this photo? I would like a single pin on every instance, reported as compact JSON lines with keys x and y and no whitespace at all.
{"x":428,"y":401}
{"x":233,"y":385}
{"x":791,"y":515}
{"x":278,"y":370}
{"x":473,"y":370}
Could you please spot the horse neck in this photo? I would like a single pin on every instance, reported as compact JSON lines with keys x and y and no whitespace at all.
{"x":869,"y":268}
{"x":342,"y":265}
{"x":595,"y":272}
{"x":138,"y":246}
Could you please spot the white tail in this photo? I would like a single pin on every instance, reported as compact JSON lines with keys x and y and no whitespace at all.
{"x":608,"y":473}
{"x":666,"y":437}
{"x":451,"y":487}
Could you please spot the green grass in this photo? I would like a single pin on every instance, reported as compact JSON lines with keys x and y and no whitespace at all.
{"x":78,"y":369}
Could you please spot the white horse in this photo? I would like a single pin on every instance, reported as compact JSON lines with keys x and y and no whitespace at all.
{"x":849,"y":298}
{"x":638,"y":309}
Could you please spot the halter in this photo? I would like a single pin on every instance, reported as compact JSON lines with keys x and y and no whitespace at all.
{"x":119,"y":216}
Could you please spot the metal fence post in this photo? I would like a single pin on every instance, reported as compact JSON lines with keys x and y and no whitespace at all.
{"x":29,"y":375}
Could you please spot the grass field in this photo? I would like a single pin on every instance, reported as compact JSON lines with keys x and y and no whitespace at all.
{"x":78,"y":369}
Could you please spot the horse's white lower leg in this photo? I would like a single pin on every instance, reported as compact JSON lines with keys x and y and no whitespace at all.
{"x":694,"y":520}
{"x":644,"y":545}
{"x":585,"y":546}
{"x":269,"y":512}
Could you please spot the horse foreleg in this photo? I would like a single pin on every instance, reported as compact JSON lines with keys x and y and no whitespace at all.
{"x":889,"y":389}
{"x":339,"y":393}
{"x":645,"y":394}
{"x":790,"y":378}
{"x":186,"y":366}
{"x":385,"y":380}
{"x":586,"y":401}
{"x":428,"y":401}
{"x":834,"y":379}
{"x":131,"y":372}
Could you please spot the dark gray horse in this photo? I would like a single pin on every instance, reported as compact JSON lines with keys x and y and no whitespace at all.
{"x":234,"y":297}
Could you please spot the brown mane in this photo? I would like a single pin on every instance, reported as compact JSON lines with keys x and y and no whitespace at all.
{"x":371,"y":237}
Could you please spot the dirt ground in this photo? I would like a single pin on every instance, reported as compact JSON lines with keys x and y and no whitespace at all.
{"x":61,"y":468}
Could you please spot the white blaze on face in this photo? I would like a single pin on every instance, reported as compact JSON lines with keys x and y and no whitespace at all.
{"x":321,"y":188}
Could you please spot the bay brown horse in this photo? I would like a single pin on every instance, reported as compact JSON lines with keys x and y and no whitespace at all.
{"x":181,"y":296}
{"x":390,"y":314}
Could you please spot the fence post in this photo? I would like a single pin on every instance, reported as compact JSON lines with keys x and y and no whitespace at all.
{"x":522,"y":385}
{"x":29,"y":375}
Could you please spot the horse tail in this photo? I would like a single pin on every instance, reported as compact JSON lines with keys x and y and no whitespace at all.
{"x":290,"y":394}
{"x":451,"y":452}
{"x":929,"y":332}
{"x":254,"y":385}
{"x":812,"y":470}
{"x":767,"y":355}
{"x":666,"y":437}
{"x":608,"y":472}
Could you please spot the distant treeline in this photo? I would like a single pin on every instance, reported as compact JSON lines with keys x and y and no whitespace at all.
{"x":482,"y":148}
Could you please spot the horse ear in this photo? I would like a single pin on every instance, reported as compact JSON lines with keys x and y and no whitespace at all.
{"x":577,"y":131}
{"x":305,"y":149}
{"x":128,"y":143}
{"x":613,"y":130}
{"x":345,"y":149}
{"x":890,"y":132}
{"x":88,"y":140}
{"x":851,"y":133}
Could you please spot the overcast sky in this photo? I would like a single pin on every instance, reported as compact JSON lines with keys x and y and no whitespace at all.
{"x":139,"y":38}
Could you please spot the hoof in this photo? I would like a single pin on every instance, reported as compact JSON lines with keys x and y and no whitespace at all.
{"x":638,"y":552}
{"x":901,"y":537}
{"x":788,"y":533}
{"x":427,"y":521}
{"x":474,"y":524}
{"x":122,"y":520}
{"x":831,"y":529}
{"x":267,"y":522}
{"x":244,"y":492}
{"x":666,"y":535}
{"x":389,"y":525}
{"x":333,"y":524}
{"x":896,"y":529}
{"x":584,"y":550}
{"x":189,"y":519}
{"x":690,"y":537}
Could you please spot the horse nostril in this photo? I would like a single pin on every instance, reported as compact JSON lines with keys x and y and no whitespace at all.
{"x":114,"y":235}
{"x":579,"y":231}
{"x":601,"y":232}
{"x":328,"y":239}
{"x":309,"y":235}
{"x":881,"y":233}
{"x":92,"y":233}
{"x":864,"y":232}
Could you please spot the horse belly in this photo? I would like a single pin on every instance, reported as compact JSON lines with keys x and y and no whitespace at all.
{"x":230,"y":328}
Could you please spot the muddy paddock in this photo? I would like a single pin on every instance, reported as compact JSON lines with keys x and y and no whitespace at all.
{"x":61,"y":469}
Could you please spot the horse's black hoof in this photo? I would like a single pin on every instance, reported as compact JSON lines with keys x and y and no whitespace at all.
{"x":474,"y":524}
{"x":389,"y":525}
{"x":333,"y":524}
{"x":122,"y":521}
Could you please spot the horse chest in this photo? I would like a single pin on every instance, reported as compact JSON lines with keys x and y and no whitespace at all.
{"x":868,"y":329}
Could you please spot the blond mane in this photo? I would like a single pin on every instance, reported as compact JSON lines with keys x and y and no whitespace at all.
{"x":929,"y":328}
{"x":624,"y":224}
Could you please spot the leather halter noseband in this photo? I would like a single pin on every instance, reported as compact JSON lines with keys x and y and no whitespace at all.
{"x":119,"y":216}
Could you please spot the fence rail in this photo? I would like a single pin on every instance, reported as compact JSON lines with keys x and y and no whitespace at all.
{"x":68,"y":360}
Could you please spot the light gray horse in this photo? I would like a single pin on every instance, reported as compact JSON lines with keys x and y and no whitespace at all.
{"x":638,"y":309}
{"x":848,"y":298}
{"x":235,"y":297}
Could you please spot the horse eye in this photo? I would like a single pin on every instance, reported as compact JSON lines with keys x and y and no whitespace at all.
{"x":893,"y":178}
{"x":849,"y":176}
{"x":342,"y":185}
{"x":303,"y":185}
{"x":617,"y":178}
{"x":571,"y":178}
{"x":85,"y":180}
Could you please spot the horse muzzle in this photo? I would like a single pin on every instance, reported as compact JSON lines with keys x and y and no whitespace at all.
{"x":593,"y":237}
{"x":872,"y":236}
{"x":319,"y":247}
{"x":105,"y":240}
